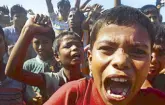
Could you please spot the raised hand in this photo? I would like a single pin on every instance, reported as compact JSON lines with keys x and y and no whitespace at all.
{"x":37,"y":24}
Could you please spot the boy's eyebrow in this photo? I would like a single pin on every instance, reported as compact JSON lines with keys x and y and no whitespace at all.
{"x":139,"y":44}
{"x":107,"y":42}
{"x":135,"y":44}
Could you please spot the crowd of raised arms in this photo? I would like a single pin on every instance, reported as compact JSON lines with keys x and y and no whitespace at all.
{"x":82,"y":54}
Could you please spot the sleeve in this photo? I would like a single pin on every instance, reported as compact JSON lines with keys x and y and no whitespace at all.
{"x":51,"y":82}
{"x":25,"y":65}
{"x":66,"y":95}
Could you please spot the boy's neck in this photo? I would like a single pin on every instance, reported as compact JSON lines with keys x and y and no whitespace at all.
{"x":46,"y":58}
{"x":78,"y":31}
{"x":72,"y":73}
{"x":18,"y":29}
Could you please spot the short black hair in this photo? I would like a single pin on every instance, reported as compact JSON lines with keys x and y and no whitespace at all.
{"x":159,"y":37}
{"x":63,"y":3}
{"x":49,"y":34}
{"x":149,"y":9}
{"x":5,"y":10}
{"x":17,"y":9}
{"x":121,"y":15}
{"x":58,"y":39}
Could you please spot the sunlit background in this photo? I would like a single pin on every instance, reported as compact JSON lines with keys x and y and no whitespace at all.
{"x":39,"y":6}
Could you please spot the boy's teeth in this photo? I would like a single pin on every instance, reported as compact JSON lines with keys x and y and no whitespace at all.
{"x":124,"y":93}
{"x":109,"y":92}
{"x":119,"y":79}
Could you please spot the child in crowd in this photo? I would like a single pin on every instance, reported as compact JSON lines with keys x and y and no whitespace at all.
{"x":157,"y":56}
{"x":68,"y":52}
{"x":59,"y":20}
{"x":156,"y":75}
{"x":43,"y":62}
{"x":18,"y":17}
{"x":119,"y":57}
{"x":11,"y":91}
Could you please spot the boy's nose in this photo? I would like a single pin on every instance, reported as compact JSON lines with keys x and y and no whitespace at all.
{"x":153,"y":58}
{"x":74,"y":47}
{"x":40,"y":46}
{"x":121,"y":61}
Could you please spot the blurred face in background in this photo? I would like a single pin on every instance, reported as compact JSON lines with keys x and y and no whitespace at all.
{"x":19,"y":19}
{"x":4,"y":19}
{"x":64,"y":11}
{"x":74,"y":19}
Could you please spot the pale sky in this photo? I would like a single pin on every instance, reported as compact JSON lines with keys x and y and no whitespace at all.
{"x":39,"y":6}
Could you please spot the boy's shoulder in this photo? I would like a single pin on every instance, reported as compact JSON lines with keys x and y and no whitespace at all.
{"x":32,"y":60}
{"x":150,"y":96}
{"x":72,"y":92}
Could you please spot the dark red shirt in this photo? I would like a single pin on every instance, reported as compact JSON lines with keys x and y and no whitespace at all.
{"x":84,"y":92}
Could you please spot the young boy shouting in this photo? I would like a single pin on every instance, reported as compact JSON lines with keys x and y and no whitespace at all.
{"x":119,"y":57}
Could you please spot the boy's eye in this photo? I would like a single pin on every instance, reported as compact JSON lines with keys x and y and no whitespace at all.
{"x":137,"y":52}
{"x":67,"y":45}
{"x":36,"y":42}
{"x":107,"y":49}
{"x":45,"y":42}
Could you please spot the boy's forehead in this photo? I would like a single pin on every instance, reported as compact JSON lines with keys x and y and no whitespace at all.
{"x":70,"y":37}
{"x":127,"y":35}
{"x":41,"y":37}
{"x":116,"y":31}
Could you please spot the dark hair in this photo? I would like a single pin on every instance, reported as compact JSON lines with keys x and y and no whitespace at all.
{"x":63,"y":3}
{"x":59,"y":38}
{"x":5,"y":10}
{"x":17,"y":9}
{"x":159,"y":37}
{"x":121,"y":15}
{"x":49,"y":34}
{"x":149,"y":9}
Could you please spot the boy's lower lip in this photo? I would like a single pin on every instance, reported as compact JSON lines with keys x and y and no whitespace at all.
{"x":76,"y":58}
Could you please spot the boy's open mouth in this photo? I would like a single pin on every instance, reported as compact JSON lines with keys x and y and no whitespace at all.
{"x":76,"y":56}
{"x":117,"y":88}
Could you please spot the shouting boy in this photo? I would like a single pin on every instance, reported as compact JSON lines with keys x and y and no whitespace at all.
{"x":119,"y":57}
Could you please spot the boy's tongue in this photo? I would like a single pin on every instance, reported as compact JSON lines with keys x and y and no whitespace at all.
{"x":117,"y":88}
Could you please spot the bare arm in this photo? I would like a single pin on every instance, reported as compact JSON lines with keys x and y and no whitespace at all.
{"x":15,"y":63}
{"x":77,"y":4}
{"x":49,"y":6}
{"x":85,"y":4}
{"x":117,"y":3}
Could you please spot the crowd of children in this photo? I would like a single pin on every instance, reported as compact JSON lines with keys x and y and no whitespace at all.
{"x":83,"y":55}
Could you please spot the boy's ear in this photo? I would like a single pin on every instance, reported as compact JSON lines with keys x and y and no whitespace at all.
{"x":57,"y":57}
{"x":89,"y":58}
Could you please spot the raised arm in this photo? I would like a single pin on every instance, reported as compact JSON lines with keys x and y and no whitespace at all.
{"x":50,"y":6}
{"x":77,"y":4}
{"x":117,"y":3}
{"x":15,"y":63}
{"x":85,"y":4}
